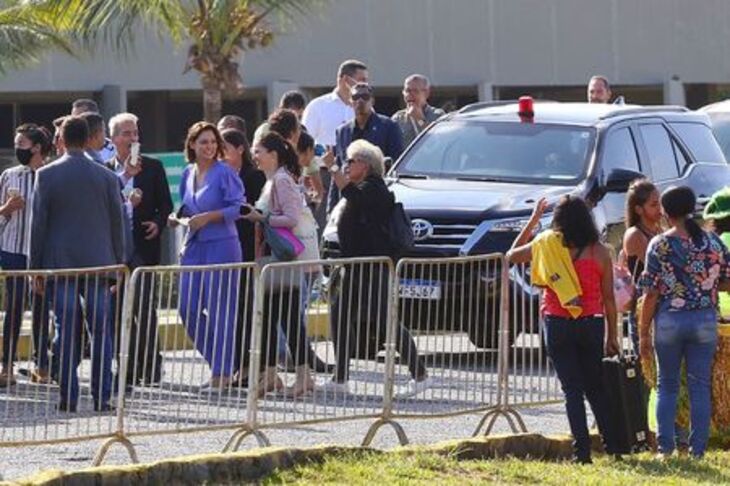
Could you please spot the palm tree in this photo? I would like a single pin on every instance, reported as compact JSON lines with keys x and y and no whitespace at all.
{"x":217,"y":32}
{"x":25,"y":36}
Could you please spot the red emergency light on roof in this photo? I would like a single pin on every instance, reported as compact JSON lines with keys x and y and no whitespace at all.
{"x":526,"y":111}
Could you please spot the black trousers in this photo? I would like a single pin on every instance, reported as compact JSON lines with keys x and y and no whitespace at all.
{"x":359,"y":322}
{"x":282,"y":311}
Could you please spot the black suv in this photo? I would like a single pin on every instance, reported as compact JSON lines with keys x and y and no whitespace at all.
{"x":470,"y":180}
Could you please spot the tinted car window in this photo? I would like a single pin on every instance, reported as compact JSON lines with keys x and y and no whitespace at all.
{"x":619,"y":151}
{"x":661,"y":152}
{"x":553,"y":154}
{"x":700,"y":141}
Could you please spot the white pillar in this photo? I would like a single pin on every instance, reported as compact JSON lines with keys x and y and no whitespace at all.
{"x":674,"y":92}
{"x":274,"y":91}
{"x":485,"y":91}
{"x":113,"y":100}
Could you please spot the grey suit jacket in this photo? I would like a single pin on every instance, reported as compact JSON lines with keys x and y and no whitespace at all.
{"x":77,"y":215}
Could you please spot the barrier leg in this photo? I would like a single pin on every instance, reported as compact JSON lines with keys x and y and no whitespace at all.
{"x":101,"y":454}
{"x":402,"y":437}
{"x":239,"y":435}
{"x":514,"y":420}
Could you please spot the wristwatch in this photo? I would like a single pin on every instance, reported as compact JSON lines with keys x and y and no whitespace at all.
{"x":334,"y":169}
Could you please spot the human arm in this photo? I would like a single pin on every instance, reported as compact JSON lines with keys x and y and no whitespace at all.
{"x":232,"y":198}
{"x":116,"y":220}
{"x":338,"y":177}
{"x":39,"y":222}
{"x":609,"y":301}
{"x":648,"y":311}
{"x":286,"y":203}
{"x":521,"y":250}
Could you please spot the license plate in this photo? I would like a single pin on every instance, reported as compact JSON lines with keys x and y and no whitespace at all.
{"x":420,"y":289}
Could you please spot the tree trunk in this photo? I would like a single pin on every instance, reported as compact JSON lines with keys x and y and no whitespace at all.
{"x":212,"y":102}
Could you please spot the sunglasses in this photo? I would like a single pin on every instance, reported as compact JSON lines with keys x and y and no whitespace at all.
{"x":361,"y":96}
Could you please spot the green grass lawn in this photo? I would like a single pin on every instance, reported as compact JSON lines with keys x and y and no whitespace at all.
{"x":428,"y":468}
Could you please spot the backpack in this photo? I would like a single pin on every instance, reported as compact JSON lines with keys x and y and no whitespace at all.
{"x":399,"y":230}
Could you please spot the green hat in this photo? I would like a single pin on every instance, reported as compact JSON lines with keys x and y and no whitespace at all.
{"x":719,"y":205}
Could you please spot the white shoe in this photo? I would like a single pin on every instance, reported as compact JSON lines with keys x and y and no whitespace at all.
{"x":332,"y":387}
{"x":415,"y":387}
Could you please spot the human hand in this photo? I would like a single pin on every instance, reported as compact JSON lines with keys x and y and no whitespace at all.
{"x":416,"y":112}
{"x":198,"y":221}
{"x":39,"y":285}
{"x":539,"y":209}
{"x":328,"y":159}
{"x":130,"y":169}
{"x":152,"y":230}
{"x":16,"y":202}
{"x":612,"y":347}
{"x":135,"y":197}
{"x":254,"y":215}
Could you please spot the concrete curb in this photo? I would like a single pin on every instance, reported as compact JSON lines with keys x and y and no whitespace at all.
{"x":257,"y":464}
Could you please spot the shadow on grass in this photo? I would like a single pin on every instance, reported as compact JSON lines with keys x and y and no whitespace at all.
{"x":691,"y":469}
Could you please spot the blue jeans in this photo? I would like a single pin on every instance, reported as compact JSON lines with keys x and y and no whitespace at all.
{"x":17,"y":298}
{"x":575,"y":347}
{"x":689,"y":336}
{"x":65,"y":292}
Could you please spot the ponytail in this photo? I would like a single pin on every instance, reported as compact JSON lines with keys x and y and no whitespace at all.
{"x":695,"y":231}
{"x":680,"y":203}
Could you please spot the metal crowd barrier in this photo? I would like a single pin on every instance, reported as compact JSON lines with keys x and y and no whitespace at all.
{"x":456,"y":309}
{"x":183,"y":343}
{"x":324,"y":369}
{"x":63,"y":330}
{"x":531,"y":379}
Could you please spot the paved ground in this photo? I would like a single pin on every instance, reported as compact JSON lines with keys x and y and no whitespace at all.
{"x":461,"y":378}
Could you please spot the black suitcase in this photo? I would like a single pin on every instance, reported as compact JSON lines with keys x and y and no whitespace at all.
{"x":628,"y":420}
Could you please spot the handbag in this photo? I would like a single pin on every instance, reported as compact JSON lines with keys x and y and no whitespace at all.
{"x":284,"y":246}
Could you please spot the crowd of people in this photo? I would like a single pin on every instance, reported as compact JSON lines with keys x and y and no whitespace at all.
{"x":100,"y":204}
{"x":233,"y":193}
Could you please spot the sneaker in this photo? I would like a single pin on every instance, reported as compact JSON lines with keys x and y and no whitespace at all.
{"x":415,"y":387}
{"x":332,"y":387}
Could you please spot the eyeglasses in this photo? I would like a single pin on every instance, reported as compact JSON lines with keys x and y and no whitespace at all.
{"x":361,"y":96}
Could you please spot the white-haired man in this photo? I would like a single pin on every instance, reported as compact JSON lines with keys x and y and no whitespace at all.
{"x":149,"y":213}
{"x":417,"y":114}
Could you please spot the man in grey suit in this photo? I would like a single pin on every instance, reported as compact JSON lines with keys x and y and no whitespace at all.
{"x":77,"y":223}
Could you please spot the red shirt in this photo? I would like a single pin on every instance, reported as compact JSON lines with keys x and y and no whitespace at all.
{"x":591,"y":301}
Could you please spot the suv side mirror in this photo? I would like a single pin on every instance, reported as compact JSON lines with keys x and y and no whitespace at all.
{"x":388,"y":163}
{"x":619,"y":180}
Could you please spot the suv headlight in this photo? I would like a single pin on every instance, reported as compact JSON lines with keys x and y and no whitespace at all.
{"x":516,"y":225}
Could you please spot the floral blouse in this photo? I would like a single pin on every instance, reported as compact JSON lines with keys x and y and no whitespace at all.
{"x":685,"y":274}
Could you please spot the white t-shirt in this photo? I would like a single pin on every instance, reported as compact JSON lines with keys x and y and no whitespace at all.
{"x":324,"y":114}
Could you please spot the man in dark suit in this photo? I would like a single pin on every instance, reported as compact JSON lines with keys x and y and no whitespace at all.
{"x":77,"y":223}
{"x":377,"y":129}
{"x":148,"y":205}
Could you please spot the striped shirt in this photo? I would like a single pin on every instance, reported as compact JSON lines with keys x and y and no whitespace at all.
{"x":15,"y":228}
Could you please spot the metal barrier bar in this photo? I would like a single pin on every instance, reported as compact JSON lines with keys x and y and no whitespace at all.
{"x":184,"y":346}
{"x":308,"y":370}
{"x":60,"y":387}
{"x":455,"y":309}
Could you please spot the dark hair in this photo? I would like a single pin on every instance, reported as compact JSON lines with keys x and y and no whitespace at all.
{"x":194,"y":132}
{"x":238,"y":139}
{"x":680,"y":202}
{"x":273,"y":142}
{"x":232,"y":121}
{"x":86,"y":105}
{"x":720,"y":226}
{"x":293,"y":100}
{"x":75,"y":132}
{"x":350,"y":68}
{"x":94,"y":121}
{"x":284,"y":122}
{"x":37,"y":135}
{"x":306,"y":142}
{"x":638,"y":194}
{"x":572,"y":217}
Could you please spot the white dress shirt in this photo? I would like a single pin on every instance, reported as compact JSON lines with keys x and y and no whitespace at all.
{"x":323,"y":115}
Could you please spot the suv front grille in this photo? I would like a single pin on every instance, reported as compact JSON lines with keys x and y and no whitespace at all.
{"x":447,"y":236}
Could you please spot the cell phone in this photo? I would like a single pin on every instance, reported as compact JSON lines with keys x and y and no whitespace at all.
{"x":134,"y":154}
{"x":319,"y":150}
{"x":245,"y":210}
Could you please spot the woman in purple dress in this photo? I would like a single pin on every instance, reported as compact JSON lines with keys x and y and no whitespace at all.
{"x":211,"y":195}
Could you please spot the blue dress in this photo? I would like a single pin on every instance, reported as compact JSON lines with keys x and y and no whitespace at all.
{"x":208,"y":298}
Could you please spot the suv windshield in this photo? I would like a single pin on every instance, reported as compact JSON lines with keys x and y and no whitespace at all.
{"x":553,"y":154}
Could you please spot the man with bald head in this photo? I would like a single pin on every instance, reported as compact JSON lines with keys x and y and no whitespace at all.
{"x":417,"y":114}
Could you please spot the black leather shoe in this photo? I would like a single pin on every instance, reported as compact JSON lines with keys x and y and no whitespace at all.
{"x":104,"y":407}
{"x":66,"y":407}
